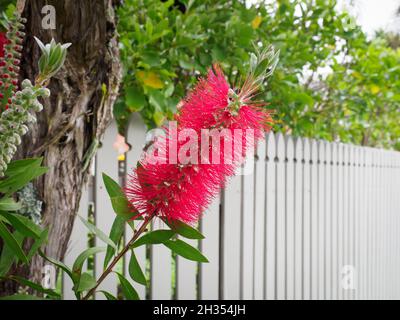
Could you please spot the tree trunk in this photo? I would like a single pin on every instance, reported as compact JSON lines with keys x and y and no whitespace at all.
{"x":77,"y":113}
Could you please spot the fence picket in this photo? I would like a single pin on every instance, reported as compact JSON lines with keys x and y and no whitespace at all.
{"x":328,"y":221}
{"x":161,"y":268}
{"x":107,"y":162}
{"x":340,"y":202}
{"x":321,"y":219}
{"x":290,"y":219}
{"x":76,"y":244}
{"x":298,"y":219}
{"x":136,"y":137}
{"x":231,"y":234}
{"x":357,"y":213}
{"x":259,"y":221}
{"x":335,"y":213}
{"x":280,"y":216}
{"x":314,"y":219}
{"x":351,"y":214}
{"x":247,"y":246}
{"x":270,"y":222}
{"x":307,"y":221}
{"x":210,"y":247}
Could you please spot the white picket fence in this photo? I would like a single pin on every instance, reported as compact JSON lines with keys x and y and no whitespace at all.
{"x":316,"y":220}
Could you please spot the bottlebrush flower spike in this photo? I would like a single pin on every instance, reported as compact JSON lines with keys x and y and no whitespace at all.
{"x":181,"y":190}
{"x":9,"y":62}
{"x":3,"y":41}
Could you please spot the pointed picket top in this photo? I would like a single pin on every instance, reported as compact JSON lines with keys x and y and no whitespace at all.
{"x":289,"y":148}
{"x":314,"y":151}
{"x":393,"y":159}
{"x":397,"y":159}
{"x":373,"y":157}
{"x":334,"y":150}
{"x":271,"y":147}
{"x":363,"y":156}
{"x":261,"y":151}
{"x":382,"y":159}
{"x":351,"y":154}
{"x":346,"y":154}
{"x":357,"y":156}
{"x":321,"y":151}
{"x":368,"y":158}
{"x":280,"y":147}
{"x":340,"y":153}
{"x":306,"y":150}
{"x":298,"y":144}
{"x":328,"y":152}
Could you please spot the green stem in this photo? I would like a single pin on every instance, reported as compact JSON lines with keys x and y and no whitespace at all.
{"x":110,"y":268}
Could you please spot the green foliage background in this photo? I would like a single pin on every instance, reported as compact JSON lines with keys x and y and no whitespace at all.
{"x":167,"y":45}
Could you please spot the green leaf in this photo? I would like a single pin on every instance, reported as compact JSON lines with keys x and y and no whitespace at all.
{"x":134,"y":99}
{"x":21,"y":173}
{"x":120,"y":203}
{"x":100,"y":234}
{"x":8,"y":204}
{"x":127,"y":289}
{"x":35,"y":286}
{"x":86,"y":282}
{"x":184,"y":229}
{"x":154,"y":237}
{"x":112,"y":187}
{"x":57,"y":263}
{"x":78,"y":264}
{"x":23,"y":224}
{"x":22,"y":297}
{"x":135,"y":271}
{"x":185,"y":250}
{"x":19,"y":166}
{"x":10,"y":241}
{"x":38,"y":243}
{"x":109,"y":296}
{"x":8,"y":256}
{"x":116,"y":233}
{"x":122,"y":207}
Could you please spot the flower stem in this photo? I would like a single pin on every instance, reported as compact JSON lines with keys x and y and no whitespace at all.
{"x":110,"y":268}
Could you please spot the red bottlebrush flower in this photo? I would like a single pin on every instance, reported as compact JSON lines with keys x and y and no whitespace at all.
{"x":169,"y":182}
{"x":3,"y":42}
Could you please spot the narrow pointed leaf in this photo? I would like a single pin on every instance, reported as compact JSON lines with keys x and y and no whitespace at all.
{"x":86,"y":282}
{"x":100,"y":234}
{"x":127,"y":289}
{"x":185,"y":250}
{"x":23,"y":224}
{"x":154,"y":237}
{"x":35,"y":286}
{"x":184,"y":229}
{"x":10,"y":241}
{"x":116,"y":233}
{"x":135,"y":271}
{"x":109,"y":296}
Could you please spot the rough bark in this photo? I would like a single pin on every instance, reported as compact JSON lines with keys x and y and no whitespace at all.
{"x":78,"y":112}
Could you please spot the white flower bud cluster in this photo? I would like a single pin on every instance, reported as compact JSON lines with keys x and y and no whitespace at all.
{"x":14,"y":120}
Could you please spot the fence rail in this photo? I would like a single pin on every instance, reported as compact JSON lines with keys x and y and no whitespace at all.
{"x":315,"y":220}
